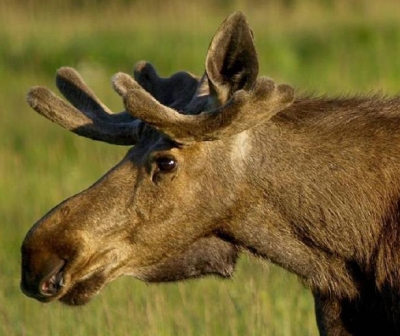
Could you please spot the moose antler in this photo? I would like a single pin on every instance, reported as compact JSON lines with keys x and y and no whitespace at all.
{"x":229,"y":95}
{"x":244,"y":110}
{"x":87,"y":116}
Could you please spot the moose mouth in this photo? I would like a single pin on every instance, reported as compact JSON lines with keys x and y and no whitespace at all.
{"x":57,"y":285}
{"x":83,"y":291}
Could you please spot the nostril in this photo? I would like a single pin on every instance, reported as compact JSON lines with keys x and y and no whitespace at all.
{"x":52,"y":283}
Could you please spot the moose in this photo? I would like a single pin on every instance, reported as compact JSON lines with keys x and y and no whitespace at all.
{"x":225,"y":163}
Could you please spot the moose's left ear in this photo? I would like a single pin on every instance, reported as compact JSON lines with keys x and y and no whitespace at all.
{"x":231,"y":62}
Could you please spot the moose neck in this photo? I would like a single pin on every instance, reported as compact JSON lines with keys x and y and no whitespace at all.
{"x":312,"y":191}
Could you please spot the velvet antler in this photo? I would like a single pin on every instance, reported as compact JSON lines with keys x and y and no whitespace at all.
{"x":244,"y":110}
{"x":87,"y":116}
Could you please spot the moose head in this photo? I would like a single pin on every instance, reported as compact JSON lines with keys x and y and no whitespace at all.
{"x":161,"y":214}
{"x":224,"y":163}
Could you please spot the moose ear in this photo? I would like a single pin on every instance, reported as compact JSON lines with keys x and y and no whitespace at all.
{"x":231,"y":62}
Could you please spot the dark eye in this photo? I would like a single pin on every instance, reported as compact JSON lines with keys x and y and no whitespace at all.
{"x":166,"y":164}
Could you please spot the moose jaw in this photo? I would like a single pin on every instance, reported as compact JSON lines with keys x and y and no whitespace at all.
{"x":225,"y":163}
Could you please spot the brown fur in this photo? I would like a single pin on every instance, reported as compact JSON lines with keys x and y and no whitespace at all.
{"x":312,"y":185}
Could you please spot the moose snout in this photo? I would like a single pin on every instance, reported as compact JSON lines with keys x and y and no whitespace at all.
{"x":43,"y":277}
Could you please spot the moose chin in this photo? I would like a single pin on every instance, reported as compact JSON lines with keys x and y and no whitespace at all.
{"x":222,"y":163}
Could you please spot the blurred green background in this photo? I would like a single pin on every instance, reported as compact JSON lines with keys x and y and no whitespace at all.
{"x":339,"y":47}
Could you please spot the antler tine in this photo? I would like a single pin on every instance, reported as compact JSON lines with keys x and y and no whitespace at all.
{"x":75,"y":90}
{"x":87,"y":117}
{"x":263,"y":101}
{"x":122,"y":83}
{"x":72,"y":86}
{"x":175,"y":91}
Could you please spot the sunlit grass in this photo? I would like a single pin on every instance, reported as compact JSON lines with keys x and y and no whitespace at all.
{"x":322,"y":46}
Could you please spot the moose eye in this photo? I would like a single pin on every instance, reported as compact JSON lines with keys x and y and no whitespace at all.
{"x":166,"y":164}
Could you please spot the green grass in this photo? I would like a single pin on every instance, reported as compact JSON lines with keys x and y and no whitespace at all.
{"x":327,"y":46}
